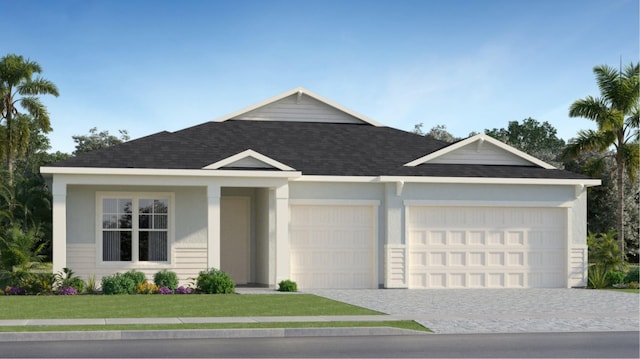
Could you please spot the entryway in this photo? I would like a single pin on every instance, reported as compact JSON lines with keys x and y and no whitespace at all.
{"x":235,"y":233}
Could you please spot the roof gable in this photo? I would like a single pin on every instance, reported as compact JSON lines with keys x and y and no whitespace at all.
{"x":480,"y":150}
{"x":298,"y":105}
{"x":248,"y":159}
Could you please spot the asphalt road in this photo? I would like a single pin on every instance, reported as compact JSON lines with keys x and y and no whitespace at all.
{"x":538,"y":345}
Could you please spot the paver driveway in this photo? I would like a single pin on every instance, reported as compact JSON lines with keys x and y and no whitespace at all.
{"x":502,"y":310}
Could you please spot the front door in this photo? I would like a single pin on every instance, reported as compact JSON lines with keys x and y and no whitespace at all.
{"x":235,"y":224}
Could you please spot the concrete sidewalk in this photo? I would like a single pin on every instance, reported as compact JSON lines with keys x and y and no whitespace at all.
{"x":202,"y":320}
{"x":199,"y":333}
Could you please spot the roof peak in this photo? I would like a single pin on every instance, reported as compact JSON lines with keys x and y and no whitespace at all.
{"x":298,"y":105}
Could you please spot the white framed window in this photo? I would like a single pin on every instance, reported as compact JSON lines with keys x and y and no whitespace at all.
{"x":134,"y":227}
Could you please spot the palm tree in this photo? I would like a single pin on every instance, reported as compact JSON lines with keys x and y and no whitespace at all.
{"x":616,"y":113}
{"x":19,"y":87}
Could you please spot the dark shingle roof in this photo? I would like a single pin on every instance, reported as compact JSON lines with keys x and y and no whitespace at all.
{"x":312,"y":148}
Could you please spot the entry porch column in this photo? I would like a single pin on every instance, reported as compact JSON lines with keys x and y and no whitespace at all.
{"x":283,"y":258}
{"x":213,"y":226}
{"x":59,"y":209}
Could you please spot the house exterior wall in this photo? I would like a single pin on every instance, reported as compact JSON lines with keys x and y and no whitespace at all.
{"x":190,"y":252}
{"x":189,"y":245}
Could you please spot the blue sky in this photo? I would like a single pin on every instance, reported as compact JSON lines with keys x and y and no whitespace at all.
{"x":149,"y":66}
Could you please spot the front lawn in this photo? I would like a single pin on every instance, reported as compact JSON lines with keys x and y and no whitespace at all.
{"x":170,"y":306}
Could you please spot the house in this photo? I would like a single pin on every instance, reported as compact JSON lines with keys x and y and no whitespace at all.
{"x":298,"y":187}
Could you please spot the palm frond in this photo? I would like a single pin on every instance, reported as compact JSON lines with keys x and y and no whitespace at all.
{"x":592,"y":108}
{"x":631,"y":156}
{"x":15,"y":69}
{"x":38,"y":86}
{"x":39,"y":112}
{"x":608,"y":82}
{"x":588,"y":140}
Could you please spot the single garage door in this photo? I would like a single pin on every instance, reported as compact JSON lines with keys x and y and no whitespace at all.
{"x":332,"y":246}
{"x":486,"y":247}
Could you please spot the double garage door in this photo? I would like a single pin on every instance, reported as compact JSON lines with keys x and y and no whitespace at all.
{"x":486,"y":247}
{"x":332,"y":246}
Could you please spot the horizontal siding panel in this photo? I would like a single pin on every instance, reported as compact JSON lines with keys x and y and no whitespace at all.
{"x":488,"y":154}
{"x":293,"y":109}
{"x":188,"y":263}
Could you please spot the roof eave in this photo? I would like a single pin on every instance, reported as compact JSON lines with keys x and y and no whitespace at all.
{"x":168,"y":172}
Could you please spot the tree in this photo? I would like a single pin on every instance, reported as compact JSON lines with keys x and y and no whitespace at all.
{"x":97,"y":140}
{"x":617,"y":115}
{"x":20,"y":89}
{"x":601,"y":210}
{"x":438,"y":132}
{"x":540,"y":140}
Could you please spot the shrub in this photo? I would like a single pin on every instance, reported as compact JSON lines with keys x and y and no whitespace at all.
{"x":33,"y":283}
{"x":92,"y":286}
{"x":14,"y":291}
{"x":166,"y":278}
{"x":598,"y":277}
{"x":183,"y":290}
{"x":215,"y":281}
{"x":614,"y":277}
{"x":287,"y":286}
{"x":146,"y":288}
{"x":633,"y":275}
{"x":66,"y":278}
{"x":137,"y":277}
{"x":68,"y":291}
{"x":164,"y":290}
{"x":118,"y":284}
{"x":604,"y":251}
{"x":634,"y":285}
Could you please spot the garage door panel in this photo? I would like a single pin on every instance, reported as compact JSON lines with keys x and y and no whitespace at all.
{"x":486,"y":247}
{"x":332,"y":246}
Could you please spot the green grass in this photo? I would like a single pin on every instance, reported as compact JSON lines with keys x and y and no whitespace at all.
{"x":404,"y":324}
{"x":169,"y":306}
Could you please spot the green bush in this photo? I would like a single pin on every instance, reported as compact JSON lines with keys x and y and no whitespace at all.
{"x":137,"y":277}
{"x":66,"y":278}
{"x":118,"y":284}
{"x":287,"y":286}
{"x":604,"y":251}
{"x":614,"y":277}
{"x":598,"y":277}
{"x":214,"y":281}
{"x":633,"y":275}
{"x":166,"y":278}
{"x":34,"y":283}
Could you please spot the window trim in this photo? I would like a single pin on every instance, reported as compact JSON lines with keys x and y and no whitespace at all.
{"x":135,"y":197}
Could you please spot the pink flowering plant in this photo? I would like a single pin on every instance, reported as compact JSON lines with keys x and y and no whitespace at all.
{"x":164,"y":290}
{"x":15,"y":291}
{"x":183,"y":290}
{"x":69,"y":290}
